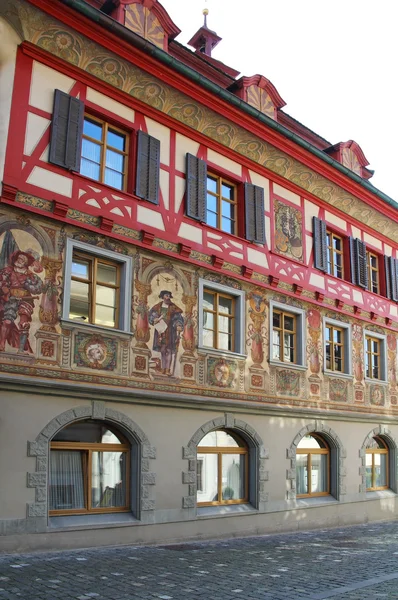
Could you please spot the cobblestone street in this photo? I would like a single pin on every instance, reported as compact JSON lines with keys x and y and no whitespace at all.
{"x":351,"y":563}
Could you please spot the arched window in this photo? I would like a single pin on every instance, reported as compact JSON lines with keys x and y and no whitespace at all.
{"x":377,"y":465}
{"x":222,"y":469}
{"x":89,"y":470}
{"x":313,"y":467}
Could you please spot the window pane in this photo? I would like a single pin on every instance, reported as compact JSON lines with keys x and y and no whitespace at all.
{"x":115,"y":161}
{"x":211,"y":203}
{"x":91,"y":151}
{"x":224,"y":341}
{"x":225,"y":305}
{"x":328,"y":333}
{"x":233,"y":476}
{"x":319,"y":474}
{"x":302,"y":473}
{"x":276,"y":319}
{"x":380,"y":470}
{"x":224,"y":324}
{"x":208,"y":338}
{"x":114,"y":179}
{"x":208,"y":320}
{"x":328,"y":356}
{"x":92,"y":129}
{"x":221,"y":439}
{"x":90,"y":169}
{"x":66,"y":488}
{"x":309,"y":441}
{"x":79,"y":301}
{"x":81,"y":269}
{"x":208,"y":300}
{"x":369,"y":459}
{"x":227,"y":191}
{"x":105,"y":296}
{"x":227,"y":225}
{"x":106,"y":273}
{"x":117,"y":140}
{"x":289,"y":322}
{"x":212,"y":185}
{"x":108,"y":479}
{"x":276,"y":345}
{"x":288,"y":347}
{"x":209,"y":492}
{"x":211,"y":219}
{"x":228,"y":210}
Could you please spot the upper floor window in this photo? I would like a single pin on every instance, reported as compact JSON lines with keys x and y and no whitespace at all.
{"x":218,"y":320}
{"x":104,"y":153}
{"x":221,"y":317}
{"x":375,"y":349}
{"x":284,"y":337}
{"x":221,"y":204}
{"x":372,"y":262}
{"x":222,"y":469}
{"x":334,"y":341}
{"x":212,"y":199}
{"x":377,"y":465}
{"x":97,"y":286}
{"x":335,"y":255}
{"x":313,"y":467}
{"x":100,"y":151}
{"x":287,"y":343}
{"x":94,"y":290}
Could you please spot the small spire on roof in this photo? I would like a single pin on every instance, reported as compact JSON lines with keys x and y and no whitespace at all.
{"x":205,"y":13}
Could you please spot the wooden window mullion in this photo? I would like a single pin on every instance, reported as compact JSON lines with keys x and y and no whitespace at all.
{"x":309,"y":476}
{"x":219,"y":461}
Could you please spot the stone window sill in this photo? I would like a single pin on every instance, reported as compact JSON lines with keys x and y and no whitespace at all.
{"x":380,"y":494}
{"x":91,"y":521}
{"x":317,"y":501}
{"x":225,"y":511}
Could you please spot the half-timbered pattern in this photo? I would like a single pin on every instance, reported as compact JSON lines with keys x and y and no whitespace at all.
{"x":198,"y":295}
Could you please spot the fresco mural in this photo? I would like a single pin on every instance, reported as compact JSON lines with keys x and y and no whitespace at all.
{"x":288,"y":234}
{"x":21,"y":288}
{"x":168,"y":324}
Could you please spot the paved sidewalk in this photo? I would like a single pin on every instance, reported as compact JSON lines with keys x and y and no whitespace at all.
{"x":351,"y":563}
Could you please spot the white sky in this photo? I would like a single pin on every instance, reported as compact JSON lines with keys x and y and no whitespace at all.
{"x":333,"y":62}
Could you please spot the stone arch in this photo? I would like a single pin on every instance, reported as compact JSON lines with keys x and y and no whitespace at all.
{"x":141,"y":450}
{"x":338,"y":454}
{"x":258,"y":454}
{"x":384,"y":432}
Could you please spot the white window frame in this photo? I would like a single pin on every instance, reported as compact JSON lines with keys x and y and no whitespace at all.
{"x":300,"y":315}
{"x":126,"y":265}
{"x":383,"y":356}
{"x":347,"y":348}
{"x":239,"y":332}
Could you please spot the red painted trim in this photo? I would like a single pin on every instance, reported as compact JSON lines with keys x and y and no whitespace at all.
{"x":18,"y":117}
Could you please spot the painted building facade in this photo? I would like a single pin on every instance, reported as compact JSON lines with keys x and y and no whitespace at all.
{"x":198,"y":310}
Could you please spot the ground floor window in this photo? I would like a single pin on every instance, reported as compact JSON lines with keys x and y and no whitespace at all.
{"x":222,"y":469}
{"x":377,"y":465}
{"x":89,"y":470}
{"x":313,"y":467}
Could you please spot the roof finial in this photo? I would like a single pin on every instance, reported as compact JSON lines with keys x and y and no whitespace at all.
{"x":205,"y":13}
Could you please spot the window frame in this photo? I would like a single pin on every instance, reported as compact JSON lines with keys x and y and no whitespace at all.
{"x":104,"y":146}
{"x":88,"y":448}
{"x":220,"y":451}
{"x":372,"y":452}
{"x":125,"y":290}
{"x":283,"y":331}
{"x":300,"y":353}
{"x":239,"y":329}
{"x":220,"y":180}
{"x":369,"y":255}
{"x":217,"y":313}
{"x":347,"y":362}
{"x":310,"y":451}
{"x":329,"y":249}
{"x":382,"y":339}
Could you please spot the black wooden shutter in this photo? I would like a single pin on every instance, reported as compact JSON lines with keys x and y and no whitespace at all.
{"x":359,"y":267}
{"x":320,"y":244}
{"x":148,"y":167}
{"x":66,"y":131}
{"x":254,"y":213}
{"x":196,"y":174}
{"x":391,"y":269}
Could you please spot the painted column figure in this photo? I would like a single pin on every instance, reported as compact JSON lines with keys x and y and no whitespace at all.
{"x":19,"y":287}
{"x":168,"y":322}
